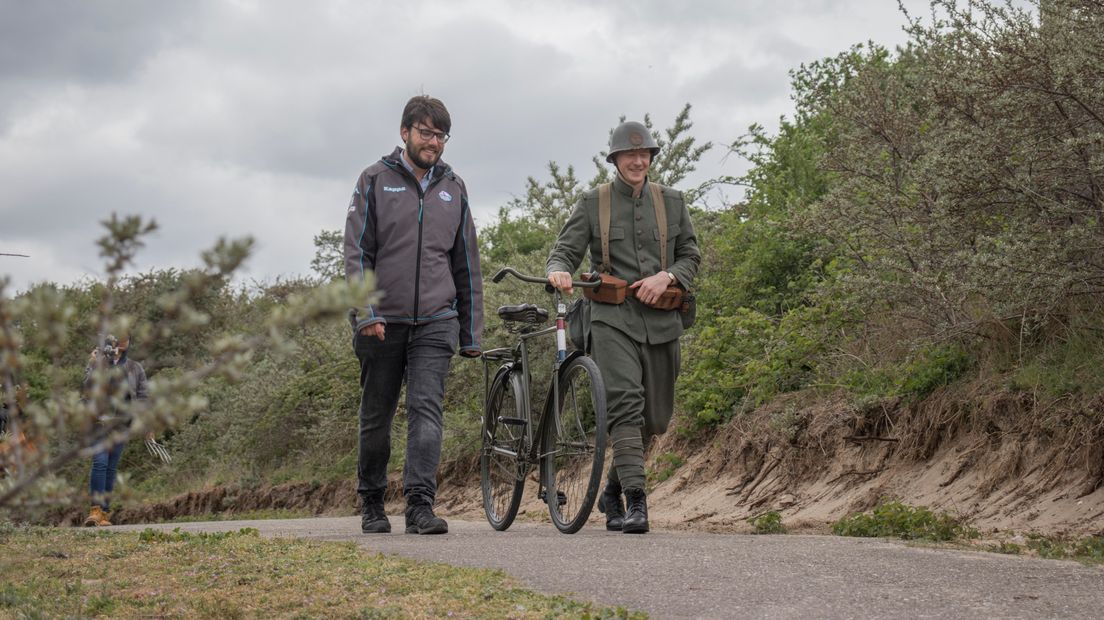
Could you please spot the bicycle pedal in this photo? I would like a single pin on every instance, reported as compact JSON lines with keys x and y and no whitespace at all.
{"x":513,"y":421}
{"x":561,"y":497}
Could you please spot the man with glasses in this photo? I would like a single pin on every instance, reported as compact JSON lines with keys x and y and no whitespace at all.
{"x":410,"y":223}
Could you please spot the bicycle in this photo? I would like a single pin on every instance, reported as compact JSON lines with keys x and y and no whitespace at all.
{"x":567,"y":439}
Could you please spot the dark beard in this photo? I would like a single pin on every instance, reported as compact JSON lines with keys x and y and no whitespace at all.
{"x":418,"y":161}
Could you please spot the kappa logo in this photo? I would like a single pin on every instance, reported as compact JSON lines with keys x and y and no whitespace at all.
{"x":394,"y":189}
{"x":447,"y":197}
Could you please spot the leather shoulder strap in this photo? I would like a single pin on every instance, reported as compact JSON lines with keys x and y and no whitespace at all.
{"x":661,"y":222}
{"x":604,"y":199}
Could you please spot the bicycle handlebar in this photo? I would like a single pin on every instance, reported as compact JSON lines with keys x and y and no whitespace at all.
{"x":502,"y":273}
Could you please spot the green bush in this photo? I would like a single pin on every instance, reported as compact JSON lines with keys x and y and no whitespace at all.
{"x":767,"y":523}
{"x":894,"y":519}
{"x":916,"y":377}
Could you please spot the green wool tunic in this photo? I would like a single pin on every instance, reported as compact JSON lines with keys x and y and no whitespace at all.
{"x":635,"y":347}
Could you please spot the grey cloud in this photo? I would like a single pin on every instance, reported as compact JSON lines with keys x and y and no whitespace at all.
{"x":255,"y":118}
{"x":86,"y":41}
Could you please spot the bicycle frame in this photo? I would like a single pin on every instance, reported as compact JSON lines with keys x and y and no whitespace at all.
{"x":517,"y":359}
{"x":519,"y":355}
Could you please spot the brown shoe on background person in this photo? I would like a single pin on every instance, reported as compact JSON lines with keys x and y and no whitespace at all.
{"x":96,"y":517}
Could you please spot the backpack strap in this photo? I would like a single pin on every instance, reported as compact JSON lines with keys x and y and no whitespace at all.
{"x":661,"y":222}
{"x":604,"y":199}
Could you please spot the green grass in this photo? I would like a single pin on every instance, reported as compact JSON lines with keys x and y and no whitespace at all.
{"x":79,"y":573}
{"x":1063,"y":369}
{"x":1007,"y":548}
{"x":1089,"y":550}
{"x":666,"y":465}
{"x":248,"y":515}
{"x":897,"y":520}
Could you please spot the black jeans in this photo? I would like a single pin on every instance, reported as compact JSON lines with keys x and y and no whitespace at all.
{"x":420,"y":355}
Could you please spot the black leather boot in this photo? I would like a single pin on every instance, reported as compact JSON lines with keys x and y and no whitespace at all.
{"x":609,"y":502}
{"x":373,"y":520}
{"x":636,"y":515}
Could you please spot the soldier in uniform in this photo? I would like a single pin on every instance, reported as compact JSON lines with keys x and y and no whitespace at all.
{"x":635,"y":345}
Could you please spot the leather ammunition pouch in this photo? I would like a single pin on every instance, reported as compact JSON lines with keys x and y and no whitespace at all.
{"x":611,"y":291}
{"x":671,"y":299}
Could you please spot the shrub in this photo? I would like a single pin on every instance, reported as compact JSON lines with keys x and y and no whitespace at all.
{"x":894,"y":519}
{"x":767,"y":523}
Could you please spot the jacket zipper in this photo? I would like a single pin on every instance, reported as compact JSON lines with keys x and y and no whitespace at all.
{"x":418,"y":260}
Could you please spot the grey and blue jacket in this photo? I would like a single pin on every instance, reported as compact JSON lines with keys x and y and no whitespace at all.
{"x":421,"y":245}
{"x":129,"y":371}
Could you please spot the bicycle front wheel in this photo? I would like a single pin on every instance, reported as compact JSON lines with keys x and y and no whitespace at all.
{"x":501,"y":459}
{"x":575,"y":445}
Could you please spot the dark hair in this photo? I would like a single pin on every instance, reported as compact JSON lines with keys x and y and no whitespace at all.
{"x":421,"y":107}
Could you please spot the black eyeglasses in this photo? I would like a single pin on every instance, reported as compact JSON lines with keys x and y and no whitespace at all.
{"x":428,"y":134}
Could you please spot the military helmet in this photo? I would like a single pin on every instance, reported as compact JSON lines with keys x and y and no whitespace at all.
{"x":629,"y":136}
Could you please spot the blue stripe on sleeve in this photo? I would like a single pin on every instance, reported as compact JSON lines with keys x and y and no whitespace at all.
{"x":363,"y":230}
{"x":467,"y":263}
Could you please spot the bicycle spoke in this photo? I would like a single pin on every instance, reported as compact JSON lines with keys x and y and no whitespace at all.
{"x":575,"y":446}
{"x":501,"y":471}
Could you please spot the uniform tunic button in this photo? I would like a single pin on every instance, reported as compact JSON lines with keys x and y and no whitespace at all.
{"x":640,"y":246}
{"x":639,"y":232}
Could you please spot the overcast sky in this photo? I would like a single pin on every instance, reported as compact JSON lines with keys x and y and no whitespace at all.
{"x":244,"y":117}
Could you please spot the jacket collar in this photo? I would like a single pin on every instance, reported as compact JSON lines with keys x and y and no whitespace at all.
{"x":623,"y":188}
{"x":440,"y":169}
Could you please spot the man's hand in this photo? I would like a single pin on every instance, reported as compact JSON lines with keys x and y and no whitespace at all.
{"x":471,"y":353}
{"x":649,"y":289}
{"x":375,"y":329}
{"x":561,"y":280}
{"x":92,"y":357}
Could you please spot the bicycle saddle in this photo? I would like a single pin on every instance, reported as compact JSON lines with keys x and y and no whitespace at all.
{"x":525,"y":313}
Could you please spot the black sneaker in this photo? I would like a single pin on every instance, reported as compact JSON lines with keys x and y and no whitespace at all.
{"x":421,"y":520}
{"x":373,"y":520}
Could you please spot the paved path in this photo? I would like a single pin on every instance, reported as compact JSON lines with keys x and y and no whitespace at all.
{"x":699,"y":575}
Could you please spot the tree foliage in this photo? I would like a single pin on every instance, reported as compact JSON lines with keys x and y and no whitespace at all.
{"x":921,"y":210}
{"x":46,"y":334}
{"x":969,"y":170}
{"x":329,"y":255}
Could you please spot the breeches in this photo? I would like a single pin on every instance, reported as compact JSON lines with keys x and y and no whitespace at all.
{"x":640,"y":397}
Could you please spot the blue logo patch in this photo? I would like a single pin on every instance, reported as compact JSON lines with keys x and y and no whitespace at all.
{"x":447,"y":197}
{"x":394,"y":189}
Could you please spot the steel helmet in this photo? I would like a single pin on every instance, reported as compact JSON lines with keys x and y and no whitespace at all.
{"x":629,"y":136}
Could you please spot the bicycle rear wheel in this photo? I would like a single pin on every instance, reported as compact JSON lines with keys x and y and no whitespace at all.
{"x":501,"y":460}
{"x":575,"y":445}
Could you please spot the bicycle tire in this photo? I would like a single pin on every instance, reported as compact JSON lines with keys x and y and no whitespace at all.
{"x":502,"y":478}
{"x":574,"y":445}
